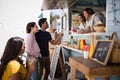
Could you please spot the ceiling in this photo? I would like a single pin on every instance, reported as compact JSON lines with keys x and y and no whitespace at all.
{"x":73,"y":4}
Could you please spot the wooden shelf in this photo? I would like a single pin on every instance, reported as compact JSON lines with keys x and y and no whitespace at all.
{"x":76,"y":50}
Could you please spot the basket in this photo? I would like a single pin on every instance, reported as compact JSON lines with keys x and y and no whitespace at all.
{"x":115,"y":54}
{"x":99,"y":28}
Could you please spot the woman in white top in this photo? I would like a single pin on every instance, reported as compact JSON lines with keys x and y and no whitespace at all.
{"x":82,"y":27}
{"x":31,"y":47}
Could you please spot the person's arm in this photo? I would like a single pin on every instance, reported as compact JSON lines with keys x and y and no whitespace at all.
{"x":56,"y":40}
{"x":16,"y":76}
{"x":29,"y":74}
{"x":81,"y":31}
{"x":30,"y":69}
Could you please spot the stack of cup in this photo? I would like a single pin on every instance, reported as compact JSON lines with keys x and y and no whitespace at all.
{"x":86,"y":51}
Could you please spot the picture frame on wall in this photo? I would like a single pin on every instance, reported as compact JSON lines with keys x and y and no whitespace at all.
{"x":103,"y":51}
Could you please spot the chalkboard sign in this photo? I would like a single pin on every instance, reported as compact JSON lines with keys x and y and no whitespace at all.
{"x":102,"y":51}
{"x":57,"y":56}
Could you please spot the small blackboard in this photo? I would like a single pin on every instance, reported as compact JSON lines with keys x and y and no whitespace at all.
{"x":57,"y":58}
{"x":102,"y":51}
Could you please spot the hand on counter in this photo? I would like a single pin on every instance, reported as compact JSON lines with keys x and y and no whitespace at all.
{"x":81,"y":31}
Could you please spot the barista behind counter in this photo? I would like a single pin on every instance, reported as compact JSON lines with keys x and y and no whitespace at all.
{"x":92,"y":19}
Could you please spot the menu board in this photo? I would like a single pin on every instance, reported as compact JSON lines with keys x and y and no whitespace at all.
{"x":102,"y":51}
{"x":57,"y":60}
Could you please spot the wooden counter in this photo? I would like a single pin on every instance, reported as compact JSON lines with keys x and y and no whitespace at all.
{"x":92,"y":69}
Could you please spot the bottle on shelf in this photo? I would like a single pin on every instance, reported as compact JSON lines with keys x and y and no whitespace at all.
{"x":91,"y":47}
{"x":81,"y":44}
{"x":71,"y":40}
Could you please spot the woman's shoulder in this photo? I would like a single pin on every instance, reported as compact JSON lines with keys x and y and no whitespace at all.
{"x":12,"y":67}
{"x":30,"y":36}
{"x":15,"y":66}
{"x":14,"y":63}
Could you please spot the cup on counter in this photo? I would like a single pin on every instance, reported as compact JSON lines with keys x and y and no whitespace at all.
{"x":85,"y":54}
{"x":86,"y":51}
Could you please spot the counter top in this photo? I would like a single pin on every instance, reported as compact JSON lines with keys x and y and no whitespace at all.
{"x":74,"y":49}
{"x":92,"y":69}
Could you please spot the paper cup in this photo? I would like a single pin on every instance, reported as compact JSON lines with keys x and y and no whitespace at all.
{"x":85,"y":54}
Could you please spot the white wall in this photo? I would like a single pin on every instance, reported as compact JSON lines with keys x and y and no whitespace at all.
{"x":14,"y":15}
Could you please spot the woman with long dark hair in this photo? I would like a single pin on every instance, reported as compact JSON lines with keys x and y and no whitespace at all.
{"x":82,"y":27}
{"x":11,"y":67}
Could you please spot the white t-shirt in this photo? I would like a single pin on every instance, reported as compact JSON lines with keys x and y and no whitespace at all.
{"x":81,"y":26}
{"x":85,"y":27}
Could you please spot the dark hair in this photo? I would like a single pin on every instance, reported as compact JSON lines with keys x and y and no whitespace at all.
{"x":11,"y":52}
{"x":82,"y":17}
{"x":41,"y":21}
{"x":29,"y":26}
{"x":89,"y":11}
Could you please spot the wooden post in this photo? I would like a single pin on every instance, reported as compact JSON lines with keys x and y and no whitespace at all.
{"x":73,"y":73}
